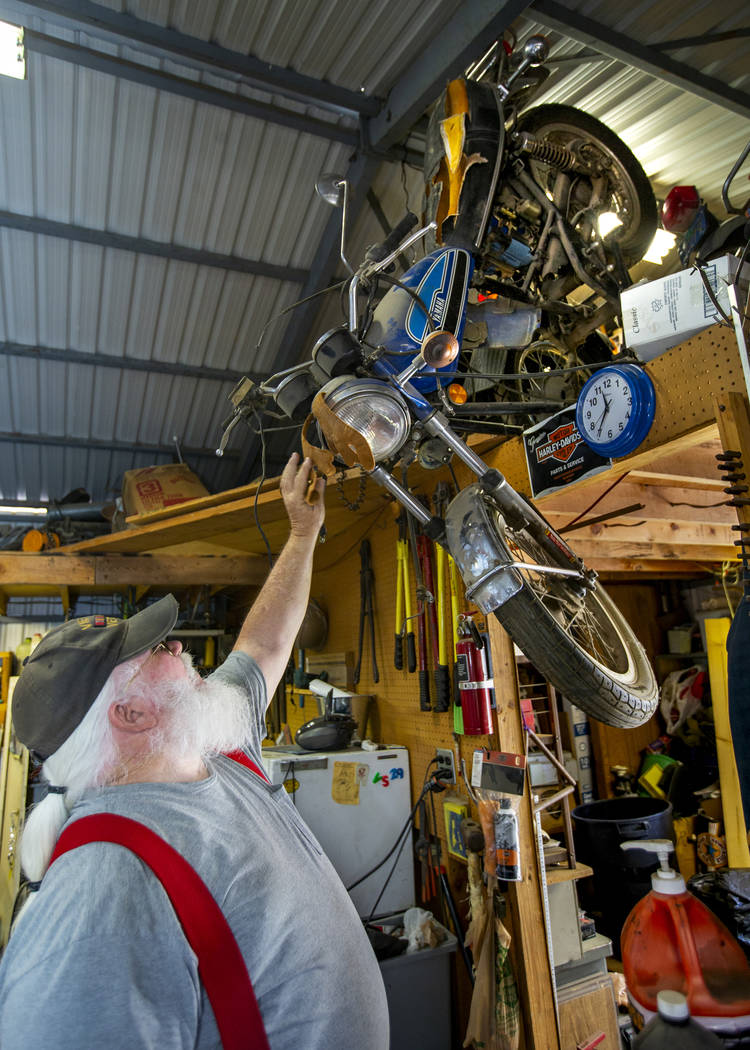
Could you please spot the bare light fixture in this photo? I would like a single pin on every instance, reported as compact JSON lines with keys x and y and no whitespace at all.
{"x":12,"y":51}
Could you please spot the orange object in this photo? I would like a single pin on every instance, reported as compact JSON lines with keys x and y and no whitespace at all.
{"x":671,"y":940}
{"x":457,"y":394}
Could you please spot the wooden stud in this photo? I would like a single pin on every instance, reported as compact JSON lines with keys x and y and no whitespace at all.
{"x":533,"y":967}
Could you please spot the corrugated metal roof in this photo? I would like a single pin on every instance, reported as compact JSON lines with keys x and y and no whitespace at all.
{"x":99,"y":151}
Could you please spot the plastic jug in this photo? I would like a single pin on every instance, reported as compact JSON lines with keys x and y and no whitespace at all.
{"x":673,"y":1027}
{"x":671,"y":940}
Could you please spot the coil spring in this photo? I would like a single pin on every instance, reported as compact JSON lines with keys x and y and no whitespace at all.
{"x":557,"y":156}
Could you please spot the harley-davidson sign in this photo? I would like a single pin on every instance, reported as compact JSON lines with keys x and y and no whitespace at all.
{"x":556,"y":454}
{"x":561,"y":445}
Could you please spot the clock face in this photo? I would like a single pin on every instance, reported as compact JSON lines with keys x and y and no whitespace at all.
{"x":615,"y":409}
{"x":606,"y":409}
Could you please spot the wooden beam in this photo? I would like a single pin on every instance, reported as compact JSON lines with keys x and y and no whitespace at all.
{"x":683,"y":481}
{"x":118,"y":571}
{"x":666,"y":504}
{"x":533,"y":966}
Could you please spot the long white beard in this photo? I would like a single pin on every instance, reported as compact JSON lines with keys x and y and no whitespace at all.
{"x":203,"y":716}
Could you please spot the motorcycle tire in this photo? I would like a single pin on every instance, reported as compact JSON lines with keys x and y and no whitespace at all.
{"x":618,"y":688}
{"x":565,"y":124}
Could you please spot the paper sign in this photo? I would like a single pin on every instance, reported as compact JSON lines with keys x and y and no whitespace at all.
{"x":345,"y":784}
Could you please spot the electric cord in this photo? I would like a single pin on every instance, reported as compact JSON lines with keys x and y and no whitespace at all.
{"x":408,"y":824}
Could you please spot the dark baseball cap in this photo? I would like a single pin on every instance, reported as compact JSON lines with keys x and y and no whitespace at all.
{"x":66,"y":672}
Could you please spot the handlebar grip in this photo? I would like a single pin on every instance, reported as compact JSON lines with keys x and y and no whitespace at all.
{"x":443,"y":688}
{"x":398,"y":653}
{"x":424,"y":691}
{"x":394,"y":238}
{"x":411,"y":653}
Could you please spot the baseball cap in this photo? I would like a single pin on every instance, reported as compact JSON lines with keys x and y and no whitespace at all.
{"x":66,"y":672}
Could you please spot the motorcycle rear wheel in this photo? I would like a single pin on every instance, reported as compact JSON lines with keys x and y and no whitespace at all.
{"x":580,"y":642}
{"x":631,"y":196}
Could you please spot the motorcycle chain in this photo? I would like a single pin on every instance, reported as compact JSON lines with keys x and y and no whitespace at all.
{"x":360,"y":495}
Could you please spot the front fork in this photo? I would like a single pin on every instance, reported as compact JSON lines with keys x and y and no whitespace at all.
{"x":517,"y":513}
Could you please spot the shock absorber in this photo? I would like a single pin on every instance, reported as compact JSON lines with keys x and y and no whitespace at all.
{"x":550,"y":153}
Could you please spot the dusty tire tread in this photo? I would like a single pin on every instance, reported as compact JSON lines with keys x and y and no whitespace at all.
{"x":567,"y":667}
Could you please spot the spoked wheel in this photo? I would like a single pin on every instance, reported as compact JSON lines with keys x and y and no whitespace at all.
{"x":619,"y":184}
{"x":543,"y":361}
{"x":577,"y":638}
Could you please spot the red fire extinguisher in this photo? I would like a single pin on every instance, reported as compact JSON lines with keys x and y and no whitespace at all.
{"x":474,"y":683}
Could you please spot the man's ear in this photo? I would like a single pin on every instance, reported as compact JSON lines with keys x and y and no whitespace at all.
{"x":132,"y":716}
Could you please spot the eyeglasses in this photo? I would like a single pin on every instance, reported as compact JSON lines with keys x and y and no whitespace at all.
{"x":152,"y":652}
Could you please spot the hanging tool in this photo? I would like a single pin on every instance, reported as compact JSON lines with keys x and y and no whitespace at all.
{"x":458,"y":718}
{"x":422,"y":851}
{"x":424,"y":680}
{"x":442,"y":671}
{"x":366,"y":612}
{"x":403,"y":603}
{"x":424,"y":546}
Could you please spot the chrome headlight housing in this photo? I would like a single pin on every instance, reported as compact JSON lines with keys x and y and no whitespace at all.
{"x":372,"y":408}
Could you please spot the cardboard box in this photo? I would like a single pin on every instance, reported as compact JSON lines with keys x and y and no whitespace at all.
{"x":154,"y":488}
{"x":660,"y":314}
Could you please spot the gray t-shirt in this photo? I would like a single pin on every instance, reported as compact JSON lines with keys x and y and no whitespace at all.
{"x":99,"y":959}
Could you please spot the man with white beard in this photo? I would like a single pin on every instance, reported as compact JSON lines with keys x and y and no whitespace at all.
{"x":100,"y":956}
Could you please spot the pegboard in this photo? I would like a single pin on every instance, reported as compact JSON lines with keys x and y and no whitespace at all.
{"x":685,"y":379}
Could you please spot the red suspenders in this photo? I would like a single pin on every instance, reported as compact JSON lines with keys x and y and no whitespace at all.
{"x":220,"y":963}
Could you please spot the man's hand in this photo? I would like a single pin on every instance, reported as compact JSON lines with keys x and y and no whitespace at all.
{"x":305,"y":518}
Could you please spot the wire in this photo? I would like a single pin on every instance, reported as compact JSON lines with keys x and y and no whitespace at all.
{"x":426,"y":786}
{"x":261,"y":432}
{"x":597,"y":500}
{"x":293,"y":306}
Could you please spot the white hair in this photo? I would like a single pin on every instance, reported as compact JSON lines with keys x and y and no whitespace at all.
{"x":197,"y":717}
{"x":78,"y":764}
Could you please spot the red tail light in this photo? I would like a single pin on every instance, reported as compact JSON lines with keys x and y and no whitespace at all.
{"x":679,"y":208}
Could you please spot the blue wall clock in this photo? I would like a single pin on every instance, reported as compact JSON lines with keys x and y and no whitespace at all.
{"x":615,"y":409}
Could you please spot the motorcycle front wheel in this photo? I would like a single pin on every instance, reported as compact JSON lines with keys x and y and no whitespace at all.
{"x":578,"y":639}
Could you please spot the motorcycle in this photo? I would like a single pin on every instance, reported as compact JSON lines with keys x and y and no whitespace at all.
{"x":511,"y":229}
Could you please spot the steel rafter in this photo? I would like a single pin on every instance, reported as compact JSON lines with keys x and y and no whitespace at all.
{"x":53,"y":47}
{"x":122,"y":28}
{"x":123,"y":242}
{"x":475,"y":26}
{"x":123,"y":364}
{"x":614,"y":44}
{"x":93,"y":445}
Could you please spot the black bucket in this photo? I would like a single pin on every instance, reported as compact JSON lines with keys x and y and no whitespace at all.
{"x":621,"y":878}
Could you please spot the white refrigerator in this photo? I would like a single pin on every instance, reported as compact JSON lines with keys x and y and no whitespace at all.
{"x":357,"y":804}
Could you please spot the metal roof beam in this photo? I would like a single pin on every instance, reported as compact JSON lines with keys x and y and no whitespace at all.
{"x":53,"y":47}
{"x":91,"y":445}
{"x":127,"y":364}
{"x":105,"y":23}
{"x":616,"y":45}
{"x":476,"y":24}
{"x":702,"y":41}
{"x":109,"y":239}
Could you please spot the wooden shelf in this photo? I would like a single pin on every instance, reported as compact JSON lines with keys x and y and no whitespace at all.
{"x":561,"y":874}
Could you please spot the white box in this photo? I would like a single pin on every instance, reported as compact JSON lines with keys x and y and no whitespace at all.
{"x":660,"y":314}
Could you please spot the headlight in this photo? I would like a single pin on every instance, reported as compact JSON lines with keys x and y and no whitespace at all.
{"x":373,"y":409}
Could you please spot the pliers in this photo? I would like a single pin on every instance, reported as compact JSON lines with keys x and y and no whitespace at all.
{"x":366,"y":585}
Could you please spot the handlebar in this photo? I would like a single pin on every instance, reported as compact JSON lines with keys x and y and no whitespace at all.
{"x":378,"y":252}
